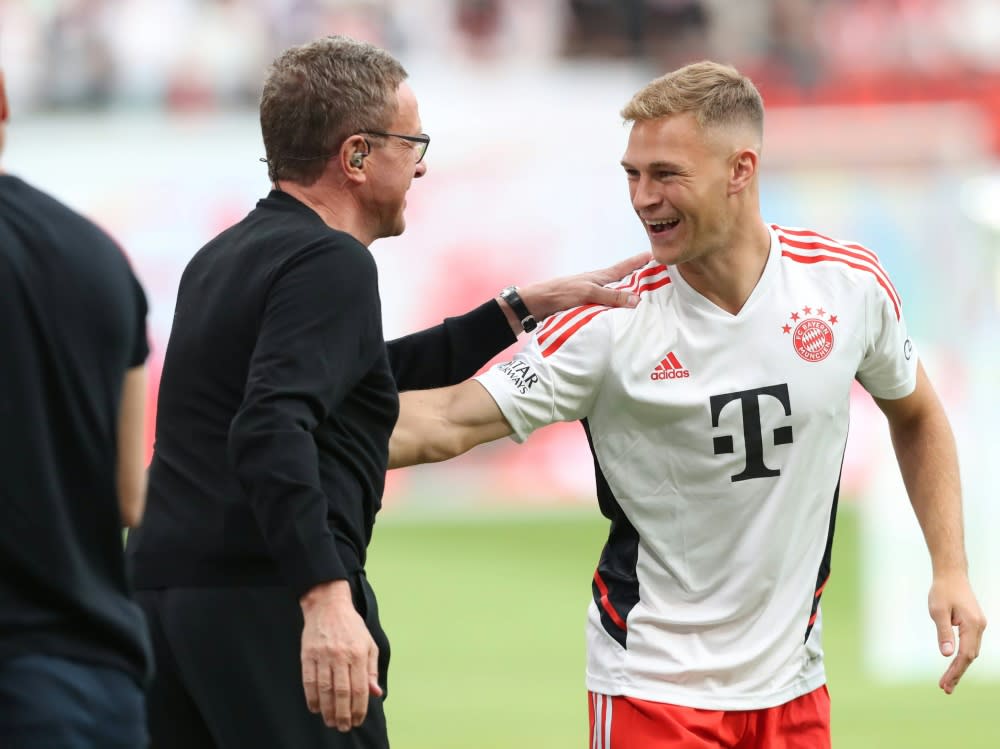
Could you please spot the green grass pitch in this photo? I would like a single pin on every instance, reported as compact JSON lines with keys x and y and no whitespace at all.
{"x":486,"y":618}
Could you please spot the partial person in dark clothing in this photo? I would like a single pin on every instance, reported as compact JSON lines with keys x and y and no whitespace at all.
{"x":276,"y":403}
{"x":74,"y":649}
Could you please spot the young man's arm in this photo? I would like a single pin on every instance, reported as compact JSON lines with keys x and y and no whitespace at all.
{"x":131,"y":465}
{"x":928,"y":462}
{"x":439,"y":424}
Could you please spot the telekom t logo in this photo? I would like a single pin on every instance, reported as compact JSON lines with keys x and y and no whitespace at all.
{"x":753,"y":437}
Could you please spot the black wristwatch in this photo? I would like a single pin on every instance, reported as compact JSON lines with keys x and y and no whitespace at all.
{"x":528,"y":321}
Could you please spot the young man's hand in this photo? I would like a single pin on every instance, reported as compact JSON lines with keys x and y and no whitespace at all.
{"x":953,"y":604}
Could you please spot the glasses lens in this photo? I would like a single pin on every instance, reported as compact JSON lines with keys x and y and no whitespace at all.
{"x":422,"y":148}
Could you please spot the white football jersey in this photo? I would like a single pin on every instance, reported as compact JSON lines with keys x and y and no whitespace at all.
{"x":718,"y":441}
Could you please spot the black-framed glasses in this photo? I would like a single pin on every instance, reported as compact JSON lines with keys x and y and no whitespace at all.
{"x":422,"y":141}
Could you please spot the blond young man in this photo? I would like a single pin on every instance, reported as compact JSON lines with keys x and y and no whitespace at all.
{"x":717,"y":414}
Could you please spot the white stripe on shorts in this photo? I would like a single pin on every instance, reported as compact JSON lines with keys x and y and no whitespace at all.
{"x":596,"y":728}
{"x":607,"y":722}
{"x":602,"y":721}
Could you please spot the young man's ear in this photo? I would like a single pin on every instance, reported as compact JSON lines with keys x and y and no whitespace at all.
{"x":744,"y":167}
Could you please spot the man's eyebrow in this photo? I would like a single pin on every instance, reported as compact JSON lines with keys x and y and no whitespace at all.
{"x":655,"y":165}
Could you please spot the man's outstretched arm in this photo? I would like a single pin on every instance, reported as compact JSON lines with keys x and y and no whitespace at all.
{"x":436,"y":425}
{"x":453,"y":351}
{"x":545,"y":298}
{"x":928,"y":462}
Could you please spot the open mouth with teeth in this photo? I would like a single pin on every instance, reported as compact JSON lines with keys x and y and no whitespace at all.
{"x":659,"y":227}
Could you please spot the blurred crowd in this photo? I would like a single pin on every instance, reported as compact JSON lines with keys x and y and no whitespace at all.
{"x":197,"y":54}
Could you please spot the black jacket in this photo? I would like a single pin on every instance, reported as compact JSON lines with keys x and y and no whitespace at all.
{"x":276,"y":403}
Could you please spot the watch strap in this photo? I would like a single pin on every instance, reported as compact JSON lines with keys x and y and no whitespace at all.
{"x":520,"y":309}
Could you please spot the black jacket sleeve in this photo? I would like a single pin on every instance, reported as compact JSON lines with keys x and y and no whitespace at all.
{"x":319,"y":332}
{"x":452,"y":351}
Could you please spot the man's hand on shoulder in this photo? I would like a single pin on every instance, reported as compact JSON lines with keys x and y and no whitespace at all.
{"x":339,"y":656}
{"x":545,"y":298}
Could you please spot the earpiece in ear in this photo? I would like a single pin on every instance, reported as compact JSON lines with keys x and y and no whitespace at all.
{"x":358,"y":159}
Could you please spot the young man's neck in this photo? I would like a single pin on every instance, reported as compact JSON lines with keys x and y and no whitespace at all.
{"x":728,"y":276}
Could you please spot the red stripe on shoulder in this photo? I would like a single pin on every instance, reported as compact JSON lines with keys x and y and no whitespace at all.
{"x":565,"y":336}
{"x":810,"y":259}
{"x":650,"y":271}
{"x":557,"y":322}
{"x":820,"y":250}
{"x":817,"y":235}
{"x":837,"y":242}
{"x":632,"y":282}
{"x":653,"y":285}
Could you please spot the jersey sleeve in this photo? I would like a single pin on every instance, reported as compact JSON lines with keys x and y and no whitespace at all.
{"x":889,"y":367}
{"x":556,"y":376}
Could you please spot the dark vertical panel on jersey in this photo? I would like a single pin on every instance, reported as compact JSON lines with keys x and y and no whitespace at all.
{"x":615,"y":586}
{"x":824,"y":566}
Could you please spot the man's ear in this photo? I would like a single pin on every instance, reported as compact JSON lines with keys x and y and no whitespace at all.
{"x":352,"y":155}
{"x":743,"y":168}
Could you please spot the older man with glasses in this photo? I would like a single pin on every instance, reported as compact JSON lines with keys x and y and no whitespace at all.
{"x":277,"y":399}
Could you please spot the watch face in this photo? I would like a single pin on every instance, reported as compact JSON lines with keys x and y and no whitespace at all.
{"x":529,"y":324}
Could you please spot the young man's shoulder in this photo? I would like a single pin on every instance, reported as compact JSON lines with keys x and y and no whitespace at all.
{"x":822,"y":253}
{"x":845,"y":264}
{"x":813,"y":247}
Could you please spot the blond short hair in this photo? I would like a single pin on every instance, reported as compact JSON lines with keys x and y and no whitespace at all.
{"x":716,"y":94}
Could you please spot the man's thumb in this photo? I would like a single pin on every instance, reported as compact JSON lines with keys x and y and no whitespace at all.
{"x":946,"y":635}
{"x":373,"y":687}
{"x":621,"y":298}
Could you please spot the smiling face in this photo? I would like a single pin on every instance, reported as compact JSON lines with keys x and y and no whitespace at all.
{"x":391,"y":167}
{"x":680,"y":182}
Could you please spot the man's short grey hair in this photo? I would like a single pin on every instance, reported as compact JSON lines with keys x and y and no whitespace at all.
{"x":318,"y":94}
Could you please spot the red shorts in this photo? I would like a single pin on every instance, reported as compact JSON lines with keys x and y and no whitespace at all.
{"x":628,"y":723}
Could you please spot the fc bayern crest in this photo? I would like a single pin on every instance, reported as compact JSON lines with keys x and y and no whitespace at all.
{"x":812,"y":337}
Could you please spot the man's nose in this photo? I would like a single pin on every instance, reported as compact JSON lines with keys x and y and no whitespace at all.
{"x":645,"y":194}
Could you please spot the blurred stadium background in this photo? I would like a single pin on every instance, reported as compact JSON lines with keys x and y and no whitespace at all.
{"x":883,"y":127}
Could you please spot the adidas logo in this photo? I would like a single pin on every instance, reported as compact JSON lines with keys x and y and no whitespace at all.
{"x":670,"y":368}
